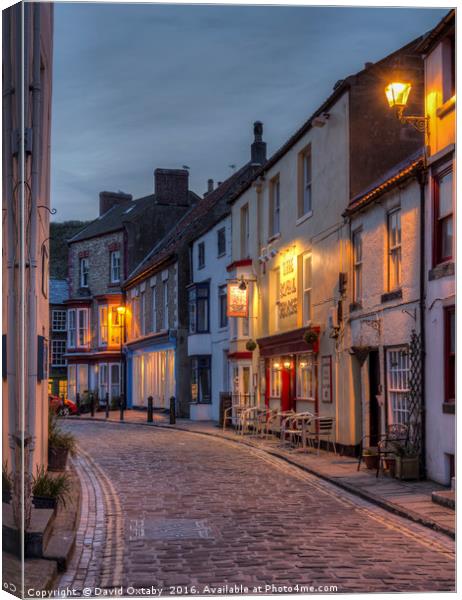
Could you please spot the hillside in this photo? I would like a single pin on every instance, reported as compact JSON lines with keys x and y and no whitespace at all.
{"x":59,"y":234}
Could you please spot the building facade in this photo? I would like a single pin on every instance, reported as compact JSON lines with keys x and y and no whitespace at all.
{"x":440,"y":204}
{"x":290,"y":250}
{"x":57,"y":380}
{"x":100,"y":258}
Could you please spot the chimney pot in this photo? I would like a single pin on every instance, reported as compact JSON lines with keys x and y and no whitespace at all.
{"x":210,"y":185}
{"x":258,"y":148}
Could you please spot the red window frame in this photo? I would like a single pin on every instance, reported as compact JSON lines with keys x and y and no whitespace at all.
{"x":438,"y":258}
{"x":449,"y":357}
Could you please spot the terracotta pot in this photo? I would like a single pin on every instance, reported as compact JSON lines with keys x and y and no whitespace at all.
{"x":57,"y":459}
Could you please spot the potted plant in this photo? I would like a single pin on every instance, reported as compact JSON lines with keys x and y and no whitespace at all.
{"x":251,"y":345}
{"x":407,"y":462}
{"x":60,"y":445}
{"x":371,"y":457}
{"x":7,"y":483}
{"x":311,"y":336}
{"x":49,"y":490}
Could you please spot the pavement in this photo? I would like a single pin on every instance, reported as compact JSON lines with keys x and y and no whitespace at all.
{"x":409,"y":499}
{"x":169,"y":512}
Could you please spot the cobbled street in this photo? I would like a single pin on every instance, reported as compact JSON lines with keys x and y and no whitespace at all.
{"x":189,"y":513}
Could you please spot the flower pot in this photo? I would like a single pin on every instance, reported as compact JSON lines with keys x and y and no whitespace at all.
{"x":44,"y":502}
{"x":57,"y":458}
{"x":371,"y":460}
{"x":407,"y":467}
{"x":6,"y":496}
{"x":390,"y":465}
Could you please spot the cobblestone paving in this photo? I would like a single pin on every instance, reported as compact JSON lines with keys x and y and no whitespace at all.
{"x":171,"y":510}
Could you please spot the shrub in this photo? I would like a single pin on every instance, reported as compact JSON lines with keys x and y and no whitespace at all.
{"x":7,"y":478}
{"x":57,"y":438}
{"x":47,"y":486}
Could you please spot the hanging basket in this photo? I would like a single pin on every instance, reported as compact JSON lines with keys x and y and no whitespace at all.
{"x":311,"y":336}
{"x":251,"y":345}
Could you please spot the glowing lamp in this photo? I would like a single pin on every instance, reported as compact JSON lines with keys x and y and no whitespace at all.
{"x":397,"y":94}
{"x":121,"y":310}
{"x":276,"y":365}
{"x":287,"y":364}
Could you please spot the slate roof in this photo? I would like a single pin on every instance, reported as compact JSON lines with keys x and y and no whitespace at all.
{"x":399,"y":173}
{"x":114,"y":218}
{"x":59,"y":291}
{"x":195,"y":222}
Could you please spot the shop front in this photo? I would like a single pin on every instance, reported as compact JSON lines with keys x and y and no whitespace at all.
{"x":289,"y":372}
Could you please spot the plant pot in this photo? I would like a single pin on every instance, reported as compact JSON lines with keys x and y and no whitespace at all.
{"x":6,"y":496}
{"x":44,"y":502}
{"x":390,"y":465}
{"x":57,"y":459}
{"x":371,"y":460}
{"x":407,"y":467}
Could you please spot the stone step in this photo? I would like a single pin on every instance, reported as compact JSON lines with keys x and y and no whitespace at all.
{"x":445,"y":498}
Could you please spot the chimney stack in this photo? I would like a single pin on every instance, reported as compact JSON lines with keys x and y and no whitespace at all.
{"x":258,"y":148}
{"x":171,"y":187}
{"x":109,"y":199}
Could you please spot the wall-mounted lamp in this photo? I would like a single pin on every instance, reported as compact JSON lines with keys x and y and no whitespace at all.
{"x":121,"y":310}
{"x":287,"y":364}
{"x":242,"y":284}
{"x":397,"y":94}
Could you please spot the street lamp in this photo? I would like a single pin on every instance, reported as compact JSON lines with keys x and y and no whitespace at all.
{"x":397,"y":93}
{"x":121,"y":311}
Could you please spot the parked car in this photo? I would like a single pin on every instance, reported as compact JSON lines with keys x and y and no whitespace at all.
{"x":63,"y":410}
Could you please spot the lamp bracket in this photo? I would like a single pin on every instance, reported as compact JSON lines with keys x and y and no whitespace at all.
{"x":419,"y":123}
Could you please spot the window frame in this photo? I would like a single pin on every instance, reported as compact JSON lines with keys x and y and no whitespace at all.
{"x":438,"y":258}
{"x":165,"y":311}
{"x":84,"y":273}
{"x":309,"y":367}
{"x":223,"y":318}
{"x":55,"y":311}
{"x":115,"y":268}
{"x":103,"y":325}
{"x":396,"y":407}
{"x":245,"y":231}
{"x":303,"y":183}
{"x":449,"y":357}
{"x":153,"y":309}
{"x":275,"y":206}
{"x":53,"y":353}
{"x":193,"y":307}
{"x":357,"y":265}
{"x":275,"y":383}
{"x":394,"y":249}
{"x":221,"y":232}
{"x":307,"y":290}
{"x":199,"y":364}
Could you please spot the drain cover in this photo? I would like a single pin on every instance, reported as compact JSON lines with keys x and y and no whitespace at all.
{"x":169,"y":529}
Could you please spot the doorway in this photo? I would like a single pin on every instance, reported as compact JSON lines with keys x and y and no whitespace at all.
{"x":375,"y":425}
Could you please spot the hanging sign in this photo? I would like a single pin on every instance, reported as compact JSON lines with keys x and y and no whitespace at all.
{"x":238,"y":301}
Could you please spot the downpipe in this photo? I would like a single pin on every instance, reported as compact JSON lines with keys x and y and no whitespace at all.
{"x":422,"y":180}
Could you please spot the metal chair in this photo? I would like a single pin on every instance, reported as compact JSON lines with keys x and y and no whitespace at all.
{"x":276,"y":420}
{"x":324,"y":427}
{"x":295,"y":427}
{"x":397,"y":436}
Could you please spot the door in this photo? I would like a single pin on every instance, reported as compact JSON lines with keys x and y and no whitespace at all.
{"x":374,"y":390}
{"x":241,"y":384}
{"x":288,"y":386}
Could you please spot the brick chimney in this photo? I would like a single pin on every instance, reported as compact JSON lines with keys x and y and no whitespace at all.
{"x":109,"y":199}
{"x":171,"y":186}
{"x":258,"y":148}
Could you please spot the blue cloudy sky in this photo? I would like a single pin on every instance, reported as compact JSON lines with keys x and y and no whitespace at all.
{"x":143,"y":86}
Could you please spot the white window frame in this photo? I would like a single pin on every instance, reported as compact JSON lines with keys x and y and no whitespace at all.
{"x":307,"y":287}
{"x":84,"y":270}
{"x":275,"y":379}
{"x":115,"y":266}
{"x":305,"y":198}
{"x":305,"y":364}
{"x":275,"y":206}
{"x":58,"y":320}
{"x":103,"y":325}
{"x":72,"y":328}
{"x":398,"y":372}
{"x":54,"y":353}
{"x":245,"y":231}
{"x":357,"y":244}
{"x":221,"y":232}
{"x":85,"y":330}
{"x":394,"y":250}
{"x":143,"y":313}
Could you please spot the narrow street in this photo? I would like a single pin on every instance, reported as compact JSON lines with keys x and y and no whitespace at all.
{"x":178,"y":511}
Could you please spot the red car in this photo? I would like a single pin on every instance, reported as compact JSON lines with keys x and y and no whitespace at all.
{"x":56,"y":405}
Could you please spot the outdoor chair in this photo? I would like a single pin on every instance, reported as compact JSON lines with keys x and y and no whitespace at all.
{"x":295,"y":426}
{"x":275,"y":421}
{"x":322,"y":427}
{"x":264,"y":416}
{"x":249,"y":419}
{"x":396,"y":435}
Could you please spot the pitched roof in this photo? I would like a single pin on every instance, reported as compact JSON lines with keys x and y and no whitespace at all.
{"x":434,"y":35}
{"x":59,"y":291}
{"x":399,"y":173}
{"x":114,"y":218}
{"x":194,"y":223}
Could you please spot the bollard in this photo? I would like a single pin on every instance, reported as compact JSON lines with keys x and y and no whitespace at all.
{"x":150,"y":409}
{"x":77,"y":402}
{"x":172,"y":411}
{"x":92,"y":405}
{"x":107,"y":405}
{"x":122,"y":406}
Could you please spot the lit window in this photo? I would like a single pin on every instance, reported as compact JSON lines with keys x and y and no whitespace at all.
{"x":221,"y":241}
{"x":199,"y":308}
{"x":275,"y":379}
{"x":201,"y":255}
{"x":304,"y":178}
{"x":394,"y":249}
{"x":357,"y":266}
{"x":103,"y":325}
{"x":443,"y":211}
{"x":115,"y":326}
{"x":307,"y":285}
{"x":275,"y":206}
{"x":115,"y":266}
{"x":305,"y":377}
{"x":58,"y":320}
{"x":83,"y":271}
{"x":58,"y":349}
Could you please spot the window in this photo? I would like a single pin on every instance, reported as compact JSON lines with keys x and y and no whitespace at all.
{"x":307,"y":285}
{"x":221,"y":241}
{"x":275,"y":379}
{"x":199,"y":308}
{"x":45,"y":271}
{"x":357,"y":266}
{"x":114,"y":373}
{"x":165,"y":303}
{"x":398,"y":385}
{"x":71,"y":337}
{"x":83,"y":330}
{"x":394,"y":249}
{"x":443,"y":217}
{"x":305,"y":377}
{"x":77,"y":380}
{"x":245,"y":248}
{"x":115,"y":266}
{"x":201,"y":380}
{"x":449,"y":67}
{"x":304,"y":178}
{"x":223,"y":305}
{"x":103,"y":325}
{"x":103,"y":382}
{"x":275,"y":206}
{"x":83,"y":272}
{"x":143,"y":313}
{"x":58,"y":320}
{"x":58,"y":349}
{"x":154,"y":309}
{"x":201,"y":255}
{"x":115,"y":326}
{"x":276,"y":287}
{"x":450,"y":354}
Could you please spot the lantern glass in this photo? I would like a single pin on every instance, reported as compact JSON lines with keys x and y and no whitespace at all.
{"x":397,"y":94}
{"x":121,"y":310}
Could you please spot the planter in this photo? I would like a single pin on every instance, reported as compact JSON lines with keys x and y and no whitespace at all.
{"x":6,"y":496}
{"x":390,"y":465}
{"x":57,"y":458}
{"x":407,"y":467}
{"x":371,"y":460}
{"x":44,"y":502}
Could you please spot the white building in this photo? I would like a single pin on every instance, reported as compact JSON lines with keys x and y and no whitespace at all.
{"x":208,"y":340}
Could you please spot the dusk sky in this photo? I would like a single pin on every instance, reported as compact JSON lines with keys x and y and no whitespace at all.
{"x":143,"y":86}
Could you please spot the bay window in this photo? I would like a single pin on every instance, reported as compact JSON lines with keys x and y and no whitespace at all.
{"x":71,"y":332}
{"x":201,"y":389}
{"x":443,"y":216}
{"x":58,"y":349}
{"x":199,"y":308}
{"x":83,"y":331}
{"x":103,"y":325}
{"x":78,"y":334}
{"x":115,"y":326}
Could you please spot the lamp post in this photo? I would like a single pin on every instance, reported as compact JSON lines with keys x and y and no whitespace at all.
{"x":397,"y":93}
{"x":121,"y":311}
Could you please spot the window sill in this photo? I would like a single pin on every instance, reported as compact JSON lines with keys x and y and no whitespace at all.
{"x":274,"y":237}
{"x":221,"y":255}
{"x":200,"y":267}
{"x":355,"y":306}
{"x":446,"y":108}
{"x":304,"y":218}
{"x":445,"y":269}
{"x":449,"y":408}
{"x":395,"y":295}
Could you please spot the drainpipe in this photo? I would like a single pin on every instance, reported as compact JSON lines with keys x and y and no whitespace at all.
{"x":422,"y":178}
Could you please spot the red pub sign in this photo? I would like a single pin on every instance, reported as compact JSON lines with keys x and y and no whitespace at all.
{"x":238,"y":301}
